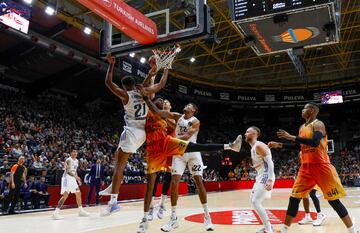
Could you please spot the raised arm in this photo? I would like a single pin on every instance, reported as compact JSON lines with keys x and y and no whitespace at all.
{"x":158,"y":86}
{"x":115,"y":89}
{"x":194,"y":127}
{"x":150,"y":78}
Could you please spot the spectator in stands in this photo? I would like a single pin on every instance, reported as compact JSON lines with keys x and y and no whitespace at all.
{"x":97,"y":177}
{"x":3,"y":185}
{"x":5,"y":167}
{"x":29,"y":193}
{"x":42,"y":192}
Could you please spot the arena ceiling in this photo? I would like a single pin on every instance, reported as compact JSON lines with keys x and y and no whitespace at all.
{"x":225,"y":62}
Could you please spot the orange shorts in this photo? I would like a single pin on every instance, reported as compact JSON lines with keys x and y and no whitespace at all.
{"x":324,"y":175}
{"x":157,"y":160}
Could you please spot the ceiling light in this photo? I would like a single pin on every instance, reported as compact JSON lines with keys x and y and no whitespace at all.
{"x":28,"y":1}
{"x":132,"y":54}
{"x":142,"y":59}
{"x":87,"y":30}
{"x":192,"y":59}
{"x":49,"y":10}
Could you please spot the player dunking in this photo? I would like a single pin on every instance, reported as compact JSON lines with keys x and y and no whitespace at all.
{"x":133,"y":135}
{"x":315,"y":169}
{"x":160,"y":146}
{"x":265,"y":178}
{"x":69,"y":184}
{"x":187,"y":128}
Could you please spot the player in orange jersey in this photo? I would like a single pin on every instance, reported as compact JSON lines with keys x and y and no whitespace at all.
{"x":315,"y":169}
{"x":160,"y":145}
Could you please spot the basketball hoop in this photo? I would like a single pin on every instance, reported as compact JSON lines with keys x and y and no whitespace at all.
{"x":164,"y":57}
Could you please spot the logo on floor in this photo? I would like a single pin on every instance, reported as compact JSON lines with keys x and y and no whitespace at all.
{"x":245,"y":217}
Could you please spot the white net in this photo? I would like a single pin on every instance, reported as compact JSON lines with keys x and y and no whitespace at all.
{"x":164,"y":57}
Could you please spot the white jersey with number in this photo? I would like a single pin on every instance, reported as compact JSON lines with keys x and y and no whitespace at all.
{"x":134,"y":135}
{"x":68,"y":182}
{"x":183,"y":125}
{"x":262,"y":172}
{"x":192,"y":160}
{"x":136,"y":110}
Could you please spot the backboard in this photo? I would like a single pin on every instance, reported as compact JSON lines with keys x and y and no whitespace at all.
{"x":177,"y":21}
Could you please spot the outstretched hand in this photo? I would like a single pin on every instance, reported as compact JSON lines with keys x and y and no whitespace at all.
{"x":285,"y":135}
{"x":274,"y":145}
{"x":111,"y":59}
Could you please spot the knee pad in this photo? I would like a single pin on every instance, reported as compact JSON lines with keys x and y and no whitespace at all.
{"x":293,"y":207}
{"x":339,"y":208}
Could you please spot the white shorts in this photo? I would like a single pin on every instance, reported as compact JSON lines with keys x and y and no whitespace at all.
{"x":193,"y":160}
{"x":131,"y":139}
{"x":259,"y":192}
{"x":69,"y":184}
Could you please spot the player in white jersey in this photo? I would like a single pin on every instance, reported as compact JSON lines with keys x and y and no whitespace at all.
{"x":265,"y":178}
{"x":133,"y":135}
{"x":69,"y":184}
{"x":187,"y":128}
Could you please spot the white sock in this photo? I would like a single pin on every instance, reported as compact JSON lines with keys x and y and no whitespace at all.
{"x":113,"y":198}
{"x":206,"y":210}
{"x":80,"y":207}
{"x":162,"y":200}
{"x":227,"y":147}
{"x":351,"y":229}
{"x":307,"y":215}
{"x":173,"y":212}
{"x":284,"y":228}
{"x":146,"y":214}
{"x":57,"y":210}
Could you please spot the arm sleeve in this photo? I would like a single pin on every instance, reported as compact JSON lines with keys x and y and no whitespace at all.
{"x":270,"y":164}
{"x":314,"y":142}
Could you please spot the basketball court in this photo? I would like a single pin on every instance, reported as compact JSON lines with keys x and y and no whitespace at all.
{"x":230,"y":211}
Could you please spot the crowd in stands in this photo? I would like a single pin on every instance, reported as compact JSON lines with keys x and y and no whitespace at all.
{"x":46,"y":128}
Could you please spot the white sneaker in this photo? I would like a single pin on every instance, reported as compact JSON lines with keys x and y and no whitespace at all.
{"x":106,"y":192}
{"x":83,"y":213}
{"x":57,"y":216}
{"x":110,"y":209}
{"x":160,"y":211}
{"x":320,"y":219}
{"x":150,"y":215}
{"x":305,"y":220}
{"x":262,"y":230}
{"x":208,"y":224}
{"x":236,"y":145}
{"x":172,"y":224}
{"x":144,"y":224}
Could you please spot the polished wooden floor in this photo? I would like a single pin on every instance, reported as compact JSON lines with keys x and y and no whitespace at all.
{"x":126,"y":221}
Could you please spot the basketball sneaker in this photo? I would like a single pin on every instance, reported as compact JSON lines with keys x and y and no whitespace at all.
{"x":320,"y":219}
{"x":106,"y":192}
{"x":150,"y":215}
{"x":208,"y":223}
{"x":160,"y":211}
{"x":236,"y":145}
{"x":83,"y":213}
{"x":110,"y":209}
{"x":144,"y":224}
{"x":172,"y":224}
{"x":306,"y":220}
{"x":262,"y":230}
{"x":57,"y":216}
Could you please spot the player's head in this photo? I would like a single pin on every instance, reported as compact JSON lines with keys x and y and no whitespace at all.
{"x":42,"y":179}
{"x":190,"y":109}
{"x":21,"y":160}
{"x":310,"y":110}
{"x":128,"y":82}
{"x":252,"y":133}
{"x":73,"y":153}
{"x":159,"y":102}
{"x":167,"y":105}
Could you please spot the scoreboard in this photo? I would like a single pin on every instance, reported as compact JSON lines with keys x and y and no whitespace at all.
{"x":243,"y":9}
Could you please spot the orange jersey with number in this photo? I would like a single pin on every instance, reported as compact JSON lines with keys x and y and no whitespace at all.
{"x":156,"y":132}
{"x":311,"y":154}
